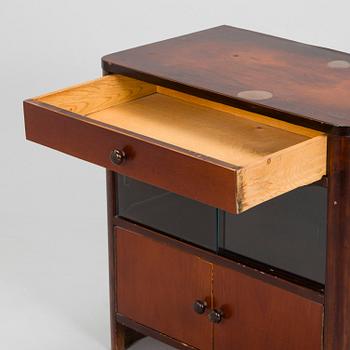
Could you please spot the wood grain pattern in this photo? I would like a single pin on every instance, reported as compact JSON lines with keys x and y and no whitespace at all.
{"x":153,"y":333}
{"x":148,"y":161}
{"x":264,"y":161}
{"x":337,"y":292}
{"x":281,"y":172}
{"x":240,"y":266}
{"x":122,"y":337}
{"x":258,"y":316}
{"x":241,"y":113}
{"x":157,"y":286}
{"x":98,"y":94}
{"x":272,"y":160}
{"x":117,"y":333}
{"x":219,"y":63}
{"x":199,"y":129}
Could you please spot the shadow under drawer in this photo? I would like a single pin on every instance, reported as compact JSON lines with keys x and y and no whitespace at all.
{"x":167,"y":212}
{"x":288,"y":233}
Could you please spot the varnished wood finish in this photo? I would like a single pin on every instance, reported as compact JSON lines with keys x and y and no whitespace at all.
{"x":281,"y":172}
{"x":305,"y":292}
{"x":148,"y":160}
{"x":125,"y":336}
{"x":221,"y":62}
{"x":113,"y":90}
{"x":165,"y":138}
{"x":97,"y":95}
{"x":269,"y":160}
{"x":337,"y":318}
{"x":199,"y":129}
{"x":139,"y":328}
{"x":157,"y":286}
{"x":258,"y":316}
{"x":237,"y":112}
{"x":117,"y":335}
{"x":211,"y":69}
{"x":121,"y":336}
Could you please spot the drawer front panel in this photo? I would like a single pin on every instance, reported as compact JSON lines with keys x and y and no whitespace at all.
{"x":146,"y":161}
{"x":259,"y":316}
{"x":167,"y":212}
{"x":157,"y":286}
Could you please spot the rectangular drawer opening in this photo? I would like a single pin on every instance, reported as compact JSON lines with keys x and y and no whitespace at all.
{"x":246,"y":158}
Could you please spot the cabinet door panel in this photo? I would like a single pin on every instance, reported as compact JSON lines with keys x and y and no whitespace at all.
{"x":157,"y":286}
{"x":259,"y":316}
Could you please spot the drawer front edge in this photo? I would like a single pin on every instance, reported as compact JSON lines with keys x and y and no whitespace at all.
{"x":152,"y":163}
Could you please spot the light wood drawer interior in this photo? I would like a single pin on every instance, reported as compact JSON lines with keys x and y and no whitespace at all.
{"x":268,"y":157}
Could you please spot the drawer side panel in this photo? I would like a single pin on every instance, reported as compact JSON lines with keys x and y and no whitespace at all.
{"x":282,"y":172}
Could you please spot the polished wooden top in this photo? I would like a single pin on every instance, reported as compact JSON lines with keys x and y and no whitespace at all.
{"x":277,"y":77}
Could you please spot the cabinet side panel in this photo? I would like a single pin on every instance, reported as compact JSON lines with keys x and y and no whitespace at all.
{"x":337,"y":292}
{"x":111,"y":203}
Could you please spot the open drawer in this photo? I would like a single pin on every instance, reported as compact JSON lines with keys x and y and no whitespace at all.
{"x":216,"y":154}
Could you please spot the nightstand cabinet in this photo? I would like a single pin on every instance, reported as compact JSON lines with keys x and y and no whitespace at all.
{"x":228,"y":188}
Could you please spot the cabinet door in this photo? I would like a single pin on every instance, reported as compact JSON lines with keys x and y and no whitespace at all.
{"x":157,"y":286}
{"x":259,"y":316}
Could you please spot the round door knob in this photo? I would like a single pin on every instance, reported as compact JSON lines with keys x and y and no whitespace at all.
{"x":216,"y":316}
{"x":117,"y":156}
{"x":199,"y":307}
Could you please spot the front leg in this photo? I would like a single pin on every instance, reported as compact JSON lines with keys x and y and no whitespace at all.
{"x":125,"y":337}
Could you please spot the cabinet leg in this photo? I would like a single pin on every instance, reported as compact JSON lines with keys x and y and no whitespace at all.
{"x":125,"y":337}
{"x":122,"y":337}
{"x":119,"y":338}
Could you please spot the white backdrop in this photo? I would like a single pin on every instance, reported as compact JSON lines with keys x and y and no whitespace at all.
{"x":53,"y":235}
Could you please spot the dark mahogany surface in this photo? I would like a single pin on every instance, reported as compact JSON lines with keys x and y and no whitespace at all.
{"x":157,"y":285}
{"x":337,"y":306}
{"x":219,"y":63}
{"x":258,"y":316}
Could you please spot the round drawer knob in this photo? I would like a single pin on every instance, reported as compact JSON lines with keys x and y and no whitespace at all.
{"x":199,"y":307}
{"x":118,"y":156}
{"x":216,"y":316}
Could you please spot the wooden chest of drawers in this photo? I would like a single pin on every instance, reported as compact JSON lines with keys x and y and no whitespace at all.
{"x":227,"y":157}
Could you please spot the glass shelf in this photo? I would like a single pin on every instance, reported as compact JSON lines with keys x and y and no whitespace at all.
{"x":287,"y":233}
{"x":167,"y":212}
